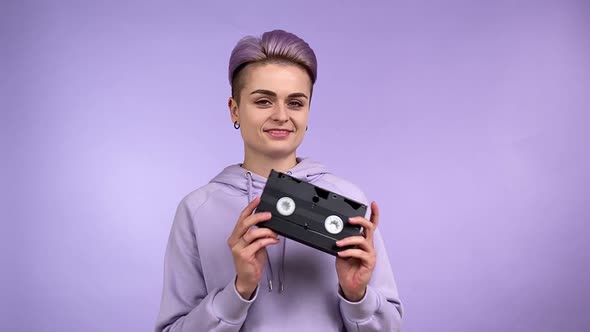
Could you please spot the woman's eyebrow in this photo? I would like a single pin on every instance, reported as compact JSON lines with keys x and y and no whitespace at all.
{"x":297,"y":95}
{"x":273,"y":94}
{"x":264,"y":92}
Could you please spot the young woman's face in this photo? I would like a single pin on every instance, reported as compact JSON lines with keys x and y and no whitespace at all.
{"x":273,"y":109}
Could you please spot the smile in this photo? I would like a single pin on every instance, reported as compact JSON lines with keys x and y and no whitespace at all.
{"x":278,"y":133}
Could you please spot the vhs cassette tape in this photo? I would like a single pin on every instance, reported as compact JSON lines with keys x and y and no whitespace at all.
{"x":308,"y":214}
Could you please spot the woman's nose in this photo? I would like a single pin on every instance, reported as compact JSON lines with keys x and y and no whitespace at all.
{"x":280,"y":113}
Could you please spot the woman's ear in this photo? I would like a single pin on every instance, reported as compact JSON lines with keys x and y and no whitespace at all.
{"x":233,"y":109}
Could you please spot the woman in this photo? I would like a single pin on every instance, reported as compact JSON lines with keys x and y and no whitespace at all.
{"x":216,"y":257}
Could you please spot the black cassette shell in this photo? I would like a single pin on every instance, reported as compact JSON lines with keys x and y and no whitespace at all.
{"x":315,"y":210}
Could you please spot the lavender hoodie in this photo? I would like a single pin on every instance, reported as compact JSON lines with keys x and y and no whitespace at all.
{"x":199,"y":292}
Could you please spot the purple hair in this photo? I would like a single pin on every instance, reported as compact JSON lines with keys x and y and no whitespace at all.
{"x":274,"y":46}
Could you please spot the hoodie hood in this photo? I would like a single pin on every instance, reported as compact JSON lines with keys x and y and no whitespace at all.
{"x":252,"y":184}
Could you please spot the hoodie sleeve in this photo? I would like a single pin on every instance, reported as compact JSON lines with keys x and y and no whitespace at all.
{"x":381,"y":308}
{"x":186,"y":304}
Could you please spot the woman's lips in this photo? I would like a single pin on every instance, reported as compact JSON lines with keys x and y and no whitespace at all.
{"x":278,"y":133}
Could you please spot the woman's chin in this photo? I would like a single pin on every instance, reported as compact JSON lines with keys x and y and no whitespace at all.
{"x":279,"y":152}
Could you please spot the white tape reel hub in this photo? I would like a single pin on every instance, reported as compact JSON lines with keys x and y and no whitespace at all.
{"x":334,"y":224}
{"x":286,"y":206}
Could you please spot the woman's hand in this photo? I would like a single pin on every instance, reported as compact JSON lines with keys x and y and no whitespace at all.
{"x":355,"y":266}
{"x":248,"y":247}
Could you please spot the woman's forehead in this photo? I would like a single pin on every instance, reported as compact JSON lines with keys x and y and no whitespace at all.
{"x":276,"y":77}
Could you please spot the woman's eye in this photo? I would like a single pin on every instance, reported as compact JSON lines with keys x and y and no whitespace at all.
{"x":263,"y":102}
{"x":295,"y":103}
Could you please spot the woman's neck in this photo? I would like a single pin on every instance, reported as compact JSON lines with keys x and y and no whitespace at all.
{"x":262,"y":165}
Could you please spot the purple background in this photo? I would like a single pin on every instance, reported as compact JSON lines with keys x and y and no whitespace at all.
{"x":467,"y":121}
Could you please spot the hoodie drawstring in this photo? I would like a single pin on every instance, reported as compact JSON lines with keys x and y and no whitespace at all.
{"x":282,"y":266}
{"x":270,"y":275}
{"x":249,"y":178}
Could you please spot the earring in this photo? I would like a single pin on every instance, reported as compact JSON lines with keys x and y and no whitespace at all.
{"x":236,"y":125}
{"x":306,"y":127}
